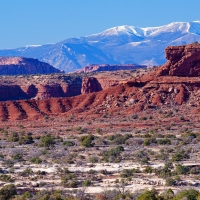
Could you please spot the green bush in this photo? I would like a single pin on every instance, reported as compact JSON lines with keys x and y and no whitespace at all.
{"x":87,"y":183}
{"x":190,"y":194}
{"x":14,"y":137}
{"x":148,"y":195}
{"x":148,"y":169}
{"x":113,"y":154}
{"x":47,"y":141}
{"x":6,"y":178}
{"x":36,"y":160}
{"x":180,"y":169}
{"x":7,"y":192}
{"x":17,"y":156}
{"x":87,"y":140}
{"x":68,"y":143}
{"x":93,"y":159}
{"x":27,"y":139}
{"x":164,"y":141}
{"x":26,"y":172}
{"x":180,"y":155}
{"x":119,"y":139}
{"x":170,"y":182}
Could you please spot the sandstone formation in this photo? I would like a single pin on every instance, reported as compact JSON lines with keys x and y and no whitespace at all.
{"x":161,"y":88}
{"x":58,"y":85}
{"x":21,"y":65}
{"x":96,"y":84}
{"x":182,"y":61}
{"x":130,"y":97}
{"x":106,"y":67}
{"x":39,"y":87}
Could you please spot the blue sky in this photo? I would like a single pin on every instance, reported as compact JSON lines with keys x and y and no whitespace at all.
{"x":26,"y":22}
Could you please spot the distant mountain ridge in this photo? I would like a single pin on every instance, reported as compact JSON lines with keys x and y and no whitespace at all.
{"x":117,"y":45}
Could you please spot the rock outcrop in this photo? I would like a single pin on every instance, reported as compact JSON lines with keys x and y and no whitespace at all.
{"x":20,"y":65}
{"x":182,"y":61}
{"x":96,"y":84}
{"x":39,"y":87}
{"x":59,"y":85}
{"x":106,"y":67}
{"x":164,"y":87}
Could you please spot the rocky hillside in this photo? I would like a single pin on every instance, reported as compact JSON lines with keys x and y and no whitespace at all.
{"x":20,"y":65}
{"x":157,"y":89}
{"x":106,"y":67}
{"x":59,"y":85}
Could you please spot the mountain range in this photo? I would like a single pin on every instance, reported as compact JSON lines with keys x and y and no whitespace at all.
{"x":117,"y":45}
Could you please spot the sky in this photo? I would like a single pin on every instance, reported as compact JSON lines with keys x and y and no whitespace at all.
{"x":33,"y":22}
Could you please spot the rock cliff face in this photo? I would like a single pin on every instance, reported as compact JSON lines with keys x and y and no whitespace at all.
{"x":106,"y":67}
{"x":128,"y":98}
{"x":170,"y":86}
{"x":58,"y":85}
{"x":182,"y":61}
{"x":96,"y":84}
{"x":20,"y":65}
{"x":39,"y":87}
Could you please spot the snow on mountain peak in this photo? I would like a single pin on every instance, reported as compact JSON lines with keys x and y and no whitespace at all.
{"x":120,"y":44}
{"x":183,"y":27}
{"x":122,"y":30}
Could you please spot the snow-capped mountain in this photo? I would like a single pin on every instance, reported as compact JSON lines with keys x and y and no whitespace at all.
{"x":117,"y":45}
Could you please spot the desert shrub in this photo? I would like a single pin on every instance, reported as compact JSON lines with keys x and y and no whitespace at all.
{"x":126,"y":173}
{"x":14,"y":137}
{"x":166,"y":171}
{"x":164,"y":141}
{"x":98,"y":130}
{"x":148,"y":169}
{"x":36,"y":160}
{"x":26,"y":195}
{"x":170,"y":182}
{"x":68,"y":143}
{"x":147,"y":195}
{"x":18,"y":157}
{"x":87,"y":140}
{"x":144,"y":161}
{"x":113,"y":154}
{"x":180,"y":155}
{"x":6,"y":178}
{"x":93,"y":159}
{"x":47,"y":141}
{"x":8,"y":163}
{"x":27,"y":139}
{"x":195,"y":170}
{"x":7,"y":192}
{"x":142,"y":157}
{"x":68,"y":178}
{"x":162,"y":156}
{"x":149,"y":141}
{"x":190,"y":194}
{"x":189,"y":134}
{"x":180,"y":169}
{"x":119,"y":139}
{"x":26,"y":172}
{"x":87,"y":182}
{"x":168,"y":195}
